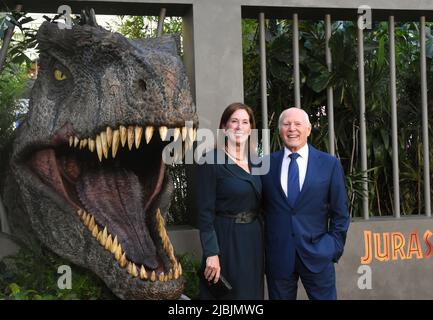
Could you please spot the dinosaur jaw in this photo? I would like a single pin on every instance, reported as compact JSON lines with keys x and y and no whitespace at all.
{"x":116,"y":195}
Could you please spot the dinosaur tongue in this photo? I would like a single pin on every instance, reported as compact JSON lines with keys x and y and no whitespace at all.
{"x":115,"y":197}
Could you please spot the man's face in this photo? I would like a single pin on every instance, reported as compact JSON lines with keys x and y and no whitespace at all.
{"x":294,"y":129}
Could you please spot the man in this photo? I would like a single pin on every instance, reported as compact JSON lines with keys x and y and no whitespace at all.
{"x":306,"y":214}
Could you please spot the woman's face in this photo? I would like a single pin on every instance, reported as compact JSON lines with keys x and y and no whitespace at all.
{"x":238,"y":126}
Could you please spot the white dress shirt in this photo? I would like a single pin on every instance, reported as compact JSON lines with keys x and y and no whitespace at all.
{"x":302,"y":164}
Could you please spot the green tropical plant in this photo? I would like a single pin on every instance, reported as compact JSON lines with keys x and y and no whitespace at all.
{"x":190,"y":266}
{"x":141,"y":27}
{"x":32,"y":275}
{"x":23,"y":39}
{"x":343,"y":77}
{"x":13,"y":82}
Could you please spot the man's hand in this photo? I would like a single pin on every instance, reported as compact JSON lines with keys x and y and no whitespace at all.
{"x":212,"y":270}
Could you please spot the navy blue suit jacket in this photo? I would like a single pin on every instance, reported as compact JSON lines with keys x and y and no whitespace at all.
{"x":315,"y":226}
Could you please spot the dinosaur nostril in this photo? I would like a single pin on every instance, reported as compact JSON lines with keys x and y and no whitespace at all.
{"x":142,"y":84}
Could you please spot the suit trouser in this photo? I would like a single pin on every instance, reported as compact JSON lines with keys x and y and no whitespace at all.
{"x":319,"y":286}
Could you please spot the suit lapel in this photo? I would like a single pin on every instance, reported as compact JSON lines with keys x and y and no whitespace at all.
{"x":279,"y":163}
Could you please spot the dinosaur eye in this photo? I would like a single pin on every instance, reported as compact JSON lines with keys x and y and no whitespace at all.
{"x":59,"y":75}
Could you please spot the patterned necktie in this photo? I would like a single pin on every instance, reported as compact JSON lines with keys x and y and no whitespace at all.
{"x":293,"y":179}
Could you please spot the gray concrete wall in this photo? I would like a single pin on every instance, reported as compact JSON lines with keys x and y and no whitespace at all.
{"x":7,"y":246}
{"x":394,"y":279}
{"x":213,"y":45}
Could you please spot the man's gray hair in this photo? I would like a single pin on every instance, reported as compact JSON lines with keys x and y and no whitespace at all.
{"x":280,"y":119}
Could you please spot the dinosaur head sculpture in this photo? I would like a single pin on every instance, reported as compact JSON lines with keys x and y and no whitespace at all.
{"x":87,"y":160}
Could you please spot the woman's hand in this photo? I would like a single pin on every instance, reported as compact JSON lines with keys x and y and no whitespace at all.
{"x":212,"y":270}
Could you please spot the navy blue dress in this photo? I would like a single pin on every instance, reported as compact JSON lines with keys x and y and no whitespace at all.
{"x":228,"y":189}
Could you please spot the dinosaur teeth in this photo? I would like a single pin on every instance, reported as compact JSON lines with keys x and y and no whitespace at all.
{"x":108,"y":243}
{"x":161,"y":276}
{"x":104,"y":236}
{"x":114,"y":246}
{"x":109,"y":133}
{"x":99,"y":147}
{"x":163,"y":132}
{"x":176,"y":272}
{"x":122,"y":261}
{"x":176,"y":134}
{"x":143,"y":273}
{"x":132,"y":269}
{"x":84,"y":216}
{"x":91,"y":223}
{"x":118,"y":252}
{"x":91,"y":145}
{"x":104,"y":144}
{"x":123,"y":135}
{"x":130,"y":137}
{"x":87,"y":221}
{"x":138,"y":133}
{"x":95,"y":231}
{"x":116,"y":137}
{"x":129,"y":268}
{"x":148,"y":133}
{"x":166,"y":244}
{"x":184,"y":133}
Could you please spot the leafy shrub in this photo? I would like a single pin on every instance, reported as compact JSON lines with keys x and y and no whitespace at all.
{"x":13,"y":82}
{"x":190,"y":266}
{"x":31,"y":276}
{"x":28,"y":276}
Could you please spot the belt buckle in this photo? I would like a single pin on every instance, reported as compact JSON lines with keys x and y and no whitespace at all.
{"x":242,"y":218}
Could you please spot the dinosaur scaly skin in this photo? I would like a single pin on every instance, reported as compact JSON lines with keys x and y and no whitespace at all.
{"x":87,"y":160}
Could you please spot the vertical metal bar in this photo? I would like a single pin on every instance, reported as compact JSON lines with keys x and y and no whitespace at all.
{"x":395,"y":168}
{"x":7,"y":40}
{"x":295,"y":44}
{"x":362,"y":126}
{"x":329,"y":90}
{"x":161,"y":22}
{"x":3,"y":220}
{"x":263,"y":87}
{"x":425,"y":117}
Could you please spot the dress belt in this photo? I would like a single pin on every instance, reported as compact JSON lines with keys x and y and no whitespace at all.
{"x":241,"y":217}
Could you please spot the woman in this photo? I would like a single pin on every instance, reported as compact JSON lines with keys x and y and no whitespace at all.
{"x":228,"y":202}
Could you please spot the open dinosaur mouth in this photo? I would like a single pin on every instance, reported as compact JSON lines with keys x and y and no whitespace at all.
{"x":114,"y":180}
